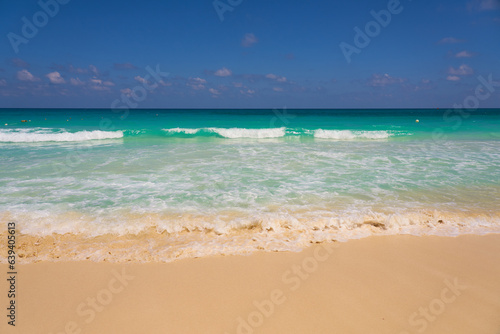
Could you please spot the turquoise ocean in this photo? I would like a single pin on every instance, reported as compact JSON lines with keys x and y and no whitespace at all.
{"x":185,"y":183}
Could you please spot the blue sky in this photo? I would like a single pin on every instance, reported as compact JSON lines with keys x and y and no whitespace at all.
{"x":248,"y":54}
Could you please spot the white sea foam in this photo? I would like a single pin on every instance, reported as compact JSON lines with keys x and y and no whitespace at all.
{"x":233,"y":133}
{"x":182,"y":130}
{"x":350,"y":135}
{"x":35,"y":135}
{"x":249,"y":133}
{"x":342,"y":224}
{"x":166,"y":237}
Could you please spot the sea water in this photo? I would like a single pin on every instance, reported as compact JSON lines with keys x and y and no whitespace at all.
{"x":183,"y":183}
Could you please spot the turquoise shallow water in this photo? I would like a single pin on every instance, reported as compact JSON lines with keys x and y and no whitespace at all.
{"x":150,"y":124}
{"x":346,"y":173}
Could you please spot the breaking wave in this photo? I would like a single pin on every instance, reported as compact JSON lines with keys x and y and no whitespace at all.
{"x":232,"y":133}
{"x":36,"y":135}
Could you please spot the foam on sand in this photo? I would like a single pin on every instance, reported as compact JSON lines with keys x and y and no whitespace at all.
{"x":154,"y":237}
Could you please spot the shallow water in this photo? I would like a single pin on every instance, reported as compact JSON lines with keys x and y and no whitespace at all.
{"x":285,"y":177}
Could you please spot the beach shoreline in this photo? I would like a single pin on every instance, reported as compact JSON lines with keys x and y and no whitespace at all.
{"x":381,"y":284}
{"x":157,"y":239}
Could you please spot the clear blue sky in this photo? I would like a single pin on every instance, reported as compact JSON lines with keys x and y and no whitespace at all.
{"x":263,"y":54}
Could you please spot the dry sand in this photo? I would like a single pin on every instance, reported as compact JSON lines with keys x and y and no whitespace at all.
{"x":390,"y":284}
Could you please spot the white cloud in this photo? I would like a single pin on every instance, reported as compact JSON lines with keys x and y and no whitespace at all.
{"x":140,"y":79}
{"x":24,"y":75}
{"x":482,"y":5}
{"x":77,"y":70}
{"x":197,"y":83}
{"x":247,"y":92}
{"x":76,"y":82}
{"x":464,"y":54}
{"x":214,"y":91}
{"x":55,"y":78}
{"x":275,"y":77}
{"x":99,"y":82}
{"x":100,"y":88}
{"x":124,"y":66}
{"x":378,"y":80}
{"x":462,"y":70}
{"x":223,"y":72}
{"x":452,"y":78}
{"x":277,"y":89}
{"x":249,"y":40}
{"x":126,"y":91}
{"x":451,"y":40}
{"x":238,"y":84}
{"x":70,"y":68}
{"x":489,"y":5}
{"x":425,"y":84}
{"x":199,"y":80}
{"x":20,"y":63}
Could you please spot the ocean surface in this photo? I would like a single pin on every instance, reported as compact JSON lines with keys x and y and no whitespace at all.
{"x":156,"y":185}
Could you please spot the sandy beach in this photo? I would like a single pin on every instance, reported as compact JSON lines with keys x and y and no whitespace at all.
{"x":250,"y":167}
{"x":387,"y":284}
